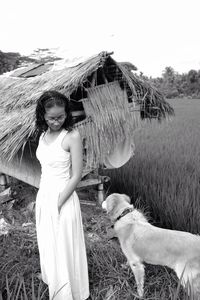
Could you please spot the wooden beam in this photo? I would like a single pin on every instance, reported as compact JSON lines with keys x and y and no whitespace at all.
{"x":28,"y":170}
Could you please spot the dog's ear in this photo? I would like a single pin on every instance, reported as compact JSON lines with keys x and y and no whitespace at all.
{"x":127,"y":198}
{"x":104,"y":206}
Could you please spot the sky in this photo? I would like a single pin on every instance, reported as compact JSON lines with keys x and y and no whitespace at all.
{"x":151,"y":34}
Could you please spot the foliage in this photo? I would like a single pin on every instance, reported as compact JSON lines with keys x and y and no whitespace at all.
{"x":12,"y":60}
{"x":173,"y":84}
{"x":8,"y":61}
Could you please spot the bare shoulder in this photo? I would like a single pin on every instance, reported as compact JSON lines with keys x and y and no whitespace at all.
{"x":74,"y":134}
{"x":71,"y":138}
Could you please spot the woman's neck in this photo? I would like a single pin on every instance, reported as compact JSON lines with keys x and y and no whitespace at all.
{"x":54,"y":132}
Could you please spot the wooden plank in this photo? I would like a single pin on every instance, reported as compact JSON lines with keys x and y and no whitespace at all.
{"x":89,"y":182}
{"x":28,"y":170}
{"x":5,"y":196}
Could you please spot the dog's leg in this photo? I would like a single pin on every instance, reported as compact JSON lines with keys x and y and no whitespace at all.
{"x":189,"y":275}
{"x":136,"y":266}
{"x":196,"y":285}
{"x":138,"y":270}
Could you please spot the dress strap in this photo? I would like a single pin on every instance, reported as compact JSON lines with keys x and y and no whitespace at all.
{"x":61,"y":137}
{"x":42,"y":136}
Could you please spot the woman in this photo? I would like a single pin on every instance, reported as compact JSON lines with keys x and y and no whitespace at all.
{"x":58,"y":216}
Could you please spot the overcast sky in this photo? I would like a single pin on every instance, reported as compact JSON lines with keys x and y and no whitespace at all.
{"x":152,"y":34}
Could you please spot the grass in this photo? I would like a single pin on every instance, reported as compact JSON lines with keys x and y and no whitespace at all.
{"x":162,"y":179}
{"x":110,"y":277}
{"x":164,"y":174}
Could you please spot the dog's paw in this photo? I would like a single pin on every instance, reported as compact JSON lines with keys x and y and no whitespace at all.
{"x":140,"y":291}
{"x":125,"y":266}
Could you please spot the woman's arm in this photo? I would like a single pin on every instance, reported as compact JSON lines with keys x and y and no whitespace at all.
{"x":72,"y":143}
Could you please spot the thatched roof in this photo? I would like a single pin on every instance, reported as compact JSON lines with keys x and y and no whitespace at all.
{"x":99,"y":86}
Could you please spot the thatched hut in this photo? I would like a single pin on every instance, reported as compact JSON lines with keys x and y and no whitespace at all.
{"x":103,"y":94}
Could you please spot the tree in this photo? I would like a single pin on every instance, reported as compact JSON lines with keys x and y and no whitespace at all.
{"x":169,"y":87}
{"x":192,"y":76}
{"x":193,"y":82}
{"x":8,"y":61}
{"x":169,"y":75}
{"x":12,"y":60}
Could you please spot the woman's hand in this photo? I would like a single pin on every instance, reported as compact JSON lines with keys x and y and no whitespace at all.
{"x":61,"y":201}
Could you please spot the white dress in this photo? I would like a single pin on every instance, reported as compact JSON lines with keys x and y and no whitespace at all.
{"x":60,"y":236}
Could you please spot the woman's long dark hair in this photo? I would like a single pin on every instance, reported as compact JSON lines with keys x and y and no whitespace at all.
{"x":47,"y":100}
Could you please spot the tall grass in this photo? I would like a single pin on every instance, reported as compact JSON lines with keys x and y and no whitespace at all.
{"x":110,"y":278}
{"x":165,"y":171}
{"x":17,"y":288}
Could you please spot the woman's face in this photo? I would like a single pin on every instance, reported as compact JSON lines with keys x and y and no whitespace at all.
{"x":55,"y":117}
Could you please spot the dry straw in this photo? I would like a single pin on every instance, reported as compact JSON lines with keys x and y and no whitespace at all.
{"x":106,"y":106}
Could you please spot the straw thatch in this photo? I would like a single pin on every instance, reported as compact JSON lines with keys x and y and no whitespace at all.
{"x":99,"y":86}
{"x":151,"y":101}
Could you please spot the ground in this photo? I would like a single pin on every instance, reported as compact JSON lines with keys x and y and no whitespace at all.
{"x":18,"y":250}
{"x":110,"y":277}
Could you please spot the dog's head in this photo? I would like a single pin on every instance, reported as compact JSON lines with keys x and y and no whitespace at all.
{"x":115,"y":204}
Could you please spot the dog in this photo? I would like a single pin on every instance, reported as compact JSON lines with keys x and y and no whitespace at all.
{"x":142,"y":242}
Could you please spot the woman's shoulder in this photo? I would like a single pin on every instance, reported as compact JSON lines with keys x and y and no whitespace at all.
{"x":73,"y":134}
{"x":41,"y":135}
{"x":71,"y":138}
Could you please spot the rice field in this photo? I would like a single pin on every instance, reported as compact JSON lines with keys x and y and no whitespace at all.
{"x":164,"y":175}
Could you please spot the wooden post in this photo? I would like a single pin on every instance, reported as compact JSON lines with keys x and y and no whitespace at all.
{"x":3,"y":182}
{"x":100,"y":189}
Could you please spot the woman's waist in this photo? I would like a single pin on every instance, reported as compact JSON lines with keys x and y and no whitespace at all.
{"x":53,"y":181}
